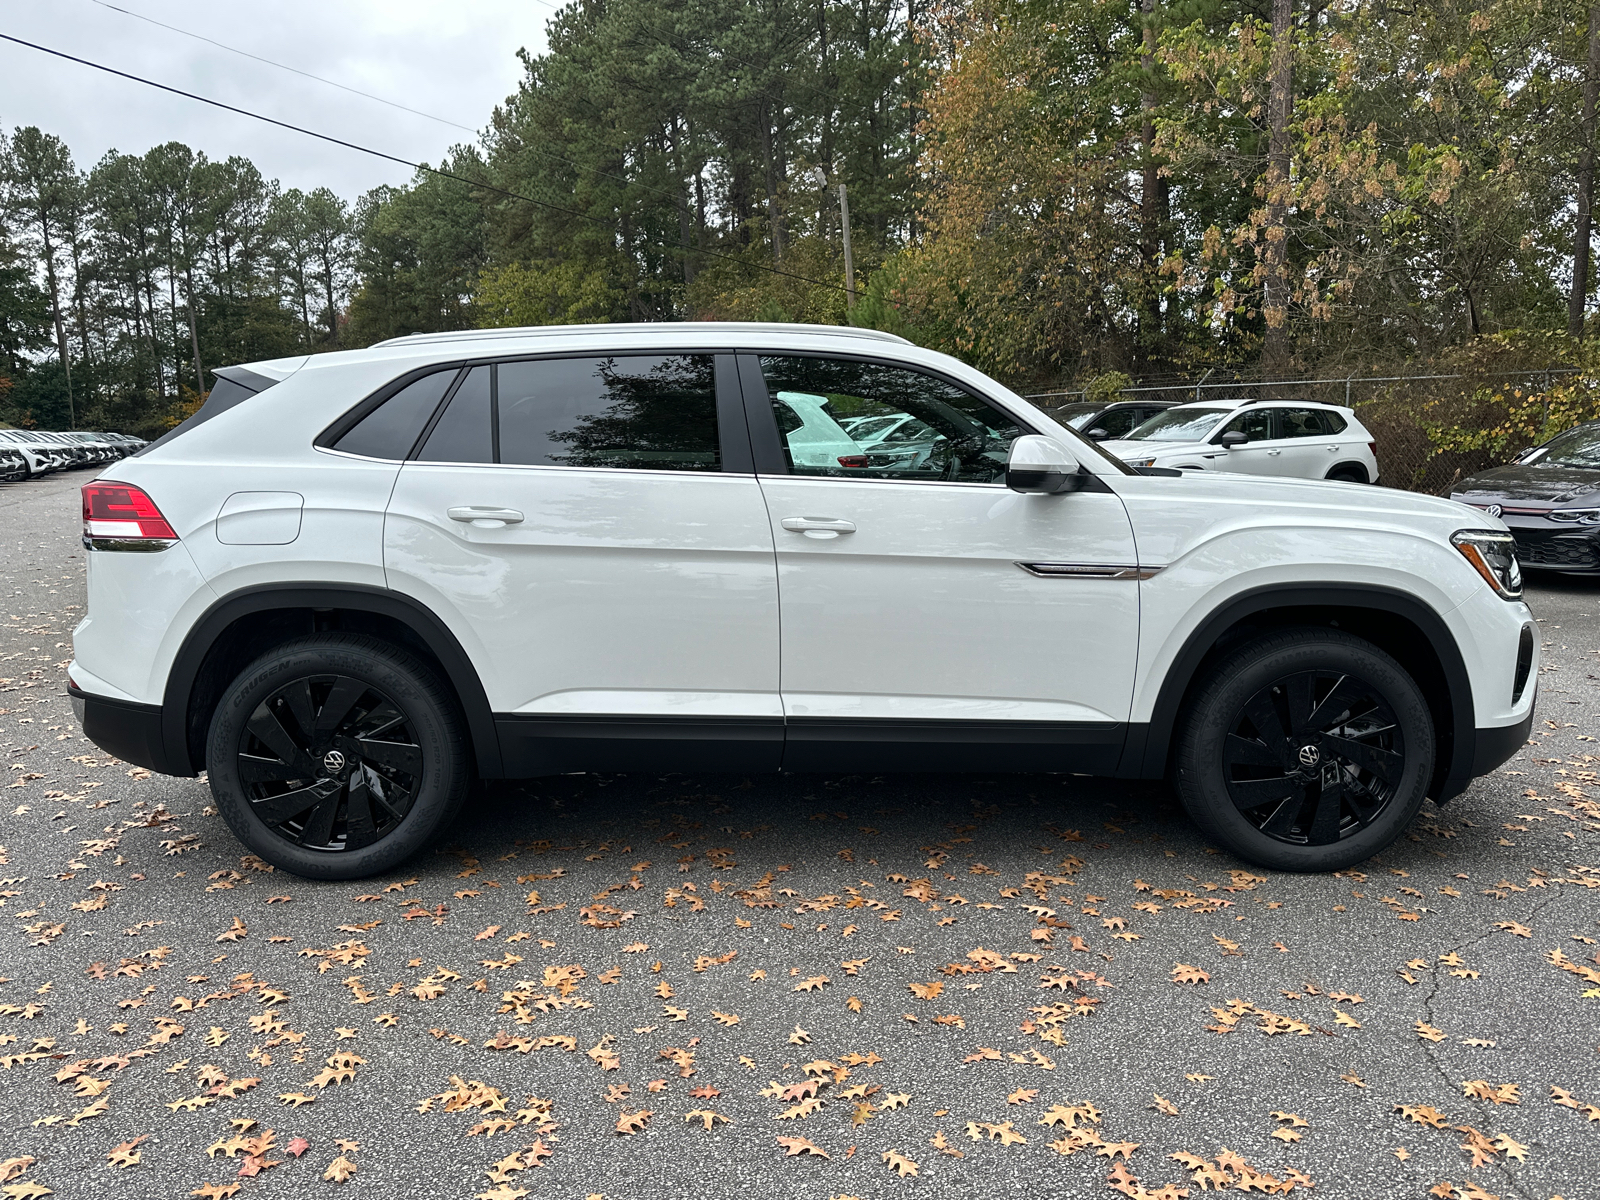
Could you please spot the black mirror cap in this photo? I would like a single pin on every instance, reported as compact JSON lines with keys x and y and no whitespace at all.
{"x":1046,"y":483}
{"x":1234,"y":438}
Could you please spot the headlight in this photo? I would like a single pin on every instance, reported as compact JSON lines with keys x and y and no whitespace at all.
{"x":1140,"y":462}
{"x":1494,"y":556}
{"x":1577,"y":516}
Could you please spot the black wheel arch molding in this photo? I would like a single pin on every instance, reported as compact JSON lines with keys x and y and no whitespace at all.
{"x":1379,"y":614}
{"x":170,"y":738}
{"x":220,"y":644}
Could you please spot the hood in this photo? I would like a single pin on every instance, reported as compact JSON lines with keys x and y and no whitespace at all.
{"x":1136,"y":448}
{"x":1340,"y":497}
{"x":1532,"y":483}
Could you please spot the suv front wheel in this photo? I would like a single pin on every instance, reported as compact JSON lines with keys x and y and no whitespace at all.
{"x":1306,"y":750}
{"x":336,"y":756}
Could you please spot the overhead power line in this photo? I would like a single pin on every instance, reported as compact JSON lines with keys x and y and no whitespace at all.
{"x":405,"y":162}
{"x":200,"y":37}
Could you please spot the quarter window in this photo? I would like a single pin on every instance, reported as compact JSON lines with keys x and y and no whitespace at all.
{"x":819,"y":403}
{"x":392,"y":429}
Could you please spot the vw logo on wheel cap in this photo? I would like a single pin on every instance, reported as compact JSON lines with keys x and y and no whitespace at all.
{"x":333,"y":761}
{"x":1309,"y":756}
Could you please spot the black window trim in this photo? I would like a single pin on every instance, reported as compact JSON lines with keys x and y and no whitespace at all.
{"x":733,"y":432}
{"x":767,"y":446}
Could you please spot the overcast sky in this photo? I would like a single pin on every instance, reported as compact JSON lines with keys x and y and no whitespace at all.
{"x":454,"y":59}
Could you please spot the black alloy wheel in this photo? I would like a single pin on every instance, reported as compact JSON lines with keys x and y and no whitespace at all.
{"x":337,"y":755}
{"x":1314,"y":758}
{"x":1305,"y":749}
{"x":330,"y":763}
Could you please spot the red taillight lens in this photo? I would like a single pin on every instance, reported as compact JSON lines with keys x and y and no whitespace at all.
{"x":118,"y":510}
{"x":1373,"y":446}
{"x":853,"y":461}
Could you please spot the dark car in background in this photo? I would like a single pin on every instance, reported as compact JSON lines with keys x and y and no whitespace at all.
{"x":1549,"y":497}
{"x":1116,"y":418}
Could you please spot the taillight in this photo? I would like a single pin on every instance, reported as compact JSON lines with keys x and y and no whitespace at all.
{"x":1373,"y":448}
{"x":120,"y":513}
{"x":853,"y":461}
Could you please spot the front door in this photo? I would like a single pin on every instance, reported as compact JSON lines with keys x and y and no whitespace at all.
{"x":1262,"y":454}
{"x":591,"y":531}
{"x":931,"y":618}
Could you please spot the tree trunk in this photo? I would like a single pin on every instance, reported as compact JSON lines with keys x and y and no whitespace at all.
{"x":55,"y":313}
{"x":774,"y":216}
{"x":1150,"y":194}
{"x":194,"y":330}
{"x":1275,"y":255}
{"x":1579,"y":298}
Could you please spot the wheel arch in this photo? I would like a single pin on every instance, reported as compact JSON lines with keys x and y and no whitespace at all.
{"x":1399,"y":624}
{"x":245,"y":624}
{"x":1350,"y":465}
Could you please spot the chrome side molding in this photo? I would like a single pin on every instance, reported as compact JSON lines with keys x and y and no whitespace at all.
{"x":1050,"y":570}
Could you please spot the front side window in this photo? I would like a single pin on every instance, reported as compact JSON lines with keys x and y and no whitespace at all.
{"x":1254,"y":423}
{"x":1179,"y":425}
{"x":821,"y":403}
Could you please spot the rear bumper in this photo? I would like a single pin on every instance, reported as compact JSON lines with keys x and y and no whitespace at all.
{"x":129,"y":731}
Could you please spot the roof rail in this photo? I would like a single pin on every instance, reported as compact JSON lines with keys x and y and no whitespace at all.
{"x":623,"y":328}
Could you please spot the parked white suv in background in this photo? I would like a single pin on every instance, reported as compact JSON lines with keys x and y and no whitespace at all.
{"x":1255,"y":437}
{"x":353,"y":582}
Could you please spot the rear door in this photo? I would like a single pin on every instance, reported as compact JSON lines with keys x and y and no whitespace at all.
{"x":1311,"y":445}
{"x":591,"y":530}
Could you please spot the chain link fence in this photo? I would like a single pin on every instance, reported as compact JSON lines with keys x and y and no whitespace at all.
{"x":1396,"y":409}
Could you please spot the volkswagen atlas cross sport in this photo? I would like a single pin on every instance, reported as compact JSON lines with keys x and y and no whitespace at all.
{"x":355,"y":582}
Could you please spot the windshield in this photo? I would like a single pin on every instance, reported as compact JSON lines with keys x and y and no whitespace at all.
{"x":1575,"y":448}
{"x":1186,"y":424}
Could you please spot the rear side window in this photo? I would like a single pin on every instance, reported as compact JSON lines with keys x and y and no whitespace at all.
{"x":633,"y":412}
{"x":392,"y":429}
{"x":1310,"y":422}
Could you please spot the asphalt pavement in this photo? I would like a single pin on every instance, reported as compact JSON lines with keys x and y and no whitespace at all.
{"x":815,"y":987}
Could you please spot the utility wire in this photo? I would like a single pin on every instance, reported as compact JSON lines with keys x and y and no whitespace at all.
{"x":200,"y":37}
{"x":405,"y":162}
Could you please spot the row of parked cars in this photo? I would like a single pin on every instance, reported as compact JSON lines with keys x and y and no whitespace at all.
{"x":26,"y":453}
{"x":1549,"y":495}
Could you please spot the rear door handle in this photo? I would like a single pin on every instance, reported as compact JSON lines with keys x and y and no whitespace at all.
{"x":1274,"y":451}
{"x":484,"y":517}
{"x":818,"y":527}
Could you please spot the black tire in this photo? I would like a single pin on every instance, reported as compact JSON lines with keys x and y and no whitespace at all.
{"x":402,"y":769}
{"x":1305,"y":750}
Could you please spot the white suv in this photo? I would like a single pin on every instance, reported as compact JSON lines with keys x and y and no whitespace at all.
{"x":354,"y":582}
{"x":1255,"y":437}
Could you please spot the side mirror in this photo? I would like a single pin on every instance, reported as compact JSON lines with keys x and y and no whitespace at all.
{"x":1040,"y":466}
{"x":1098,"y":434}
{"x":1234,"y":438}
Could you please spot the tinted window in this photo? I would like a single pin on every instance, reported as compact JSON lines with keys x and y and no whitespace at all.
{"x":1118,"y":422}
{"x":391,"y":429}
{"x":1254,"y":423}
{"x":642,"y":412}
{"x":960,"y":438}
{"x":463,"y":433}
{"x":1305,"y":422}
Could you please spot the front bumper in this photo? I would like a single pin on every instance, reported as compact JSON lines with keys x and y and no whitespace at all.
{"x":123,"y":729}
{"x":1491,"y":747}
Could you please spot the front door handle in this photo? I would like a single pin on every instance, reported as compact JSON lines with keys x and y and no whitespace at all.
{"x":1274,"y":452}
{"x":818,"y":527}
{"x":483,"y":517}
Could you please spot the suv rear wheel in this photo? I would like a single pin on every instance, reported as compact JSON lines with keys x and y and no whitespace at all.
{"x":1306,"y":750}
{"x":337,"y":756}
